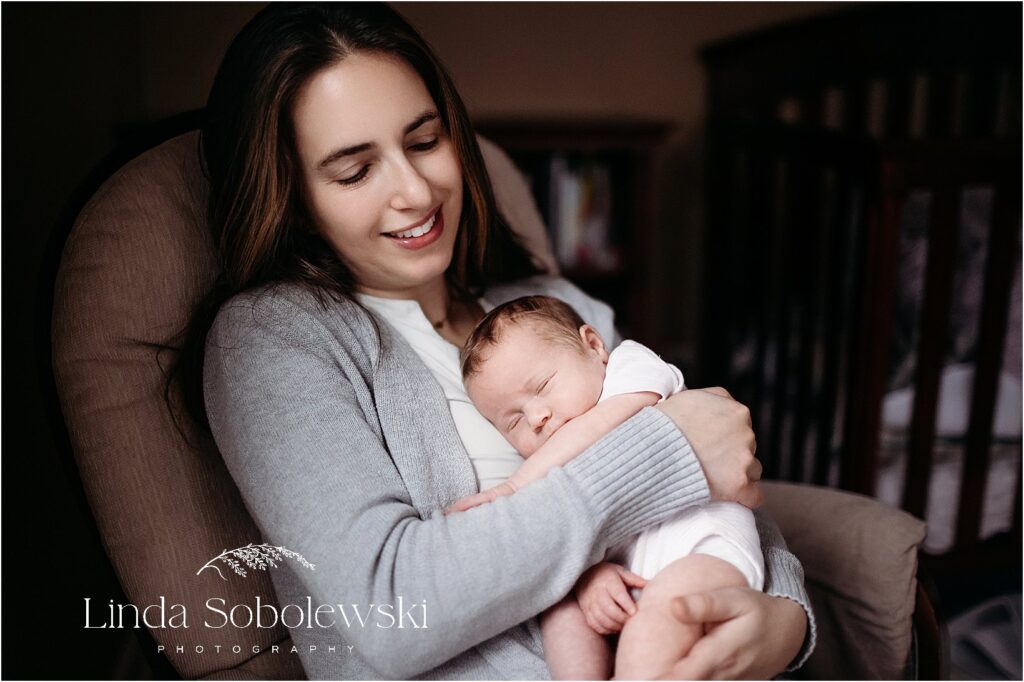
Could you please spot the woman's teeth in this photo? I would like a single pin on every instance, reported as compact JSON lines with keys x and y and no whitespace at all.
{"x":416,"y":231}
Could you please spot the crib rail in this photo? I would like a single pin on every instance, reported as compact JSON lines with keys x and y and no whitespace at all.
{"x":944,"y":170}
{"x":786,"y":234}
{"x":805,"y":241}
{"x":818,"y":134}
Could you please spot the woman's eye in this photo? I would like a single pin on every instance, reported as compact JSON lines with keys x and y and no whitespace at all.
{"x":425,"y":146}
{"x":353,"y":179}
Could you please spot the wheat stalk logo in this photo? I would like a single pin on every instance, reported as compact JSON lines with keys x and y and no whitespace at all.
{"x":256,"y":557}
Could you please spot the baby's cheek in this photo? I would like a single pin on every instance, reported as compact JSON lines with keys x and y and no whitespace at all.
{"x":525,"y":446}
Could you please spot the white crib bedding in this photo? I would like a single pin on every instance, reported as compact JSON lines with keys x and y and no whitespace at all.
{"x":947,"y":471}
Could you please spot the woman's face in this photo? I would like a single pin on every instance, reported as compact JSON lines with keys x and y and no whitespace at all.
{"x":382,"y":180}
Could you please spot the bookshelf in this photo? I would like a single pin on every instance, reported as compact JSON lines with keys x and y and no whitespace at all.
{"x":594,"y":186}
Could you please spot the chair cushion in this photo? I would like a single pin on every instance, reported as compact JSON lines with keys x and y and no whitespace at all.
{"x":137,"y":260}
{"x":860,"y":563}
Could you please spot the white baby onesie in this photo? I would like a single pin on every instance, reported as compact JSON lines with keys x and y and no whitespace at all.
{"x":725,"y":530}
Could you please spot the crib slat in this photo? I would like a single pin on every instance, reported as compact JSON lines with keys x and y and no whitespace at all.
{"x":716,"y":314}
{"x":763,"y":200}
{"x":834,"y":260}
{"x":781,"y":265}
{"x":931,"y":349}
{"x":876,"y":286}
{"x":808,"y":181}
{"x":999,"y":271}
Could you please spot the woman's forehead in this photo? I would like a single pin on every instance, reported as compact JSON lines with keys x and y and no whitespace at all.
{"x":367,"y":98}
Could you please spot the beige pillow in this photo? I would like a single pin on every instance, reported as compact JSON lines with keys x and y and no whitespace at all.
{"x":860,"y":563}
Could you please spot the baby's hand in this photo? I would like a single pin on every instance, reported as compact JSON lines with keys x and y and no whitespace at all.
{"x":603,"y":595}
{"x":482,"y":497}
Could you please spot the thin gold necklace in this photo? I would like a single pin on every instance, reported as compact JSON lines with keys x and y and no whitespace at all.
{"x":440,"y":323}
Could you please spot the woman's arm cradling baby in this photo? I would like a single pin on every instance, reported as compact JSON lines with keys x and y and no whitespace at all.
{"x":571,"y":438}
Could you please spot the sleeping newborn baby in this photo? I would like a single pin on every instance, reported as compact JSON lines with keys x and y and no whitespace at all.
{"x":545,"y":379}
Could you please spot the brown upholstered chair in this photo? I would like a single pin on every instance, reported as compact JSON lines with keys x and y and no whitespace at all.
{"x":137,"y":259}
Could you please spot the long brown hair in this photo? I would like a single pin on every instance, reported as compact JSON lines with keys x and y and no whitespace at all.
{"x":261,"y":228}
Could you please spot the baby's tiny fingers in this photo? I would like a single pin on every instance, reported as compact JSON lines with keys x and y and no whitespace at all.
{"x":632,"y":579}
{"x":602,"y":619}
{"x":621,"y":596}
{"x":613,"y":611}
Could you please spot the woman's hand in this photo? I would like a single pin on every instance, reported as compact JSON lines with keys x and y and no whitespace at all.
{"x":750,"y":635}
{"x":719,"y":431}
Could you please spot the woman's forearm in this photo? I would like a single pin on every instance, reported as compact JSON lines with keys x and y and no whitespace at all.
{"x":578,"y":434}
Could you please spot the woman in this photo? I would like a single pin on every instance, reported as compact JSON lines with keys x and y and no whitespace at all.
{"x":345,"y":177}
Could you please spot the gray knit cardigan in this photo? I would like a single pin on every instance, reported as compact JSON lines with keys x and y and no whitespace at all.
{"x":344,"y":450}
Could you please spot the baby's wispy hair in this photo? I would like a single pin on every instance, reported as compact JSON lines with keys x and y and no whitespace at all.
{"x":553,"y":319}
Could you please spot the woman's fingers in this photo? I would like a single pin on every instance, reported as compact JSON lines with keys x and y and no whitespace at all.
{"x":749,"y":635}
{"x":752,"y":497}
{"x":696,"y":665}
{"x":706,"y":607}
{"x":718,"y":390}
{"x":704,"y":662}
{"x":711,"y":658}
{"x":720,"y":433}
{"x":755,"y":469}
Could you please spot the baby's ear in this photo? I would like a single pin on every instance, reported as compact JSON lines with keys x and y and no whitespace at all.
{"x":592,"y":341}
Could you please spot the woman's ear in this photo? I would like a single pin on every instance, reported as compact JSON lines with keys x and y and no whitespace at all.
{"x":593,"y":342}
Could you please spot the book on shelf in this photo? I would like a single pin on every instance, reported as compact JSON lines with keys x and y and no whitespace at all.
{"x":580,"y":214}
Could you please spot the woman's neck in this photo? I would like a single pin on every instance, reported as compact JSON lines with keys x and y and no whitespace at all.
{"x":434,"y":298}
{"x":452,"y":318}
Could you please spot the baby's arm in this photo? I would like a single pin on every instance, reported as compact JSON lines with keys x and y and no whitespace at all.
{"x":572,"y":438}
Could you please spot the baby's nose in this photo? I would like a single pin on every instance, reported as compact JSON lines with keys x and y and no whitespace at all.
{"x":540,"y":418}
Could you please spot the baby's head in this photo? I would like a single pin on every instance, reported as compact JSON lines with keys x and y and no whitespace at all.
{"x":531,"y":365}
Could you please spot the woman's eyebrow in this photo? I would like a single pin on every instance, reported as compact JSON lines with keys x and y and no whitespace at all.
{"x":426,"y":116}
{"x":338,"y":154}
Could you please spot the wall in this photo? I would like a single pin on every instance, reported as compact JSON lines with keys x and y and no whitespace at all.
{"x":77,"y":78}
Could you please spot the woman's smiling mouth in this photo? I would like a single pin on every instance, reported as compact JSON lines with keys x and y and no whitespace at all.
{"x":421,"y":235}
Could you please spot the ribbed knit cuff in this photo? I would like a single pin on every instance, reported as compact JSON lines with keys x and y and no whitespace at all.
{"x":640,"y":474}
{"x":790,"y":584}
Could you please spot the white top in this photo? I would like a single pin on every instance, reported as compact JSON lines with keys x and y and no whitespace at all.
{"x":635,"y":368}
{"x":493,"y":458}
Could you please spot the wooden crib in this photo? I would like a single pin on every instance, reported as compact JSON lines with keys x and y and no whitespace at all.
{"x":827,"y":141}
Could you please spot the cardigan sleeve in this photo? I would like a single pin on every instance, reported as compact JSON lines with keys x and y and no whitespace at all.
{"x":784,"y":577}
{"x":286,"y":413}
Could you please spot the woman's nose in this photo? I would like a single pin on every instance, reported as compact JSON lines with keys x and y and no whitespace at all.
{"x":411,"y":190}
